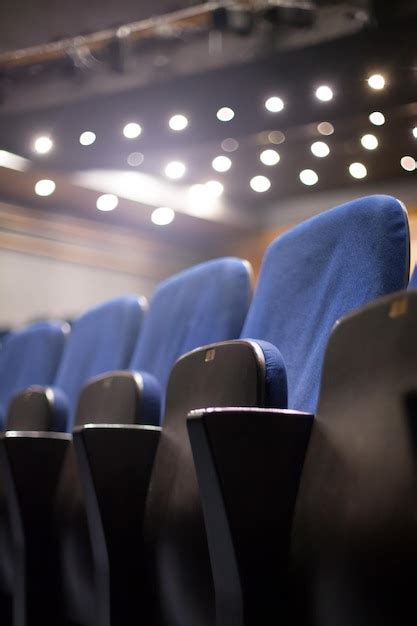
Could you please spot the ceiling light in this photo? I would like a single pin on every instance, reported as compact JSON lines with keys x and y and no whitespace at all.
{"x":107,"y":202}
{"x":370,"y":142}
{"x":162,"y":216}
{"x":178,"y":122}
{"x":132,"y":130}
{"x":377,"y":118}
{"x":415,"y":132}
{"x":175,"y":170}
{"x":320,"y":149}
{"x":274,"y":104}
{"x":276,"y":137}
{"x":408,"y":163}
{"x":357,"y":170}
{"x":269,"y":157}
{"x":214,"y":188}
{"x":376,"y":81}
{"x":229,"y":145}
{"x":260,"y":183}
{"x":324,"y":93}
{"x":45,"y":187}
{"x":87,"y":138}
{"x":43,"y":144}
{"x":135,"y":158}
{"x":221,"y":163}
{"x":325,"y":128}
{"x":225,"y":114}
{"x":308,"y":177}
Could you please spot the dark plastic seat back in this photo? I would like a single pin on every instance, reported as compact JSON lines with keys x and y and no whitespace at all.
{"x":28,"y":357}
{"x":319,"y":271}
{"x":102,"y":339}
{"x":354,"y":549}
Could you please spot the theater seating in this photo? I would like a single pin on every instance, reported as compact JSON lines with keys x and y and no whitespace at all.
{"x":413,"y":279}
{"x":317,"y":272}
{"x":101,"y":339}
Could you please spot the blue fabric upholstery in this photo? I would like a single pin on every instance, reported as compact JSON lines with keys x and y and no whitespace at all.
{"x":413,"y":280}
{"x":102,"y":339}
{"x":276,"y":390}
{"x":201,"y":305}
{"x":319,"y":271}
{"x":150,"y":399}
{"x":29,"y":356}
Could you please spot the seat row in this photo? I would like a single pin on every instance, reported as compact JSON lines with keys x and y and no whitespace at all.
{"x":221,"y":519}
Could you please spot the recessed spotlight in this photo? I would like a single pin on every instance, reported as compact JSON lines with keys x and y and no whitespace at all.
{"x":274,"y":104}
{"x":135,"y":158}
{"x":414,"y":131}
{"x":178,"y":122}
{"x":107,"y":202}
{"x":408,"y":163}
{"x":325,"y":128}
{"x":260,"y":183}
{"x":269,"y":157}
{"x":45,"y":187}
{"x":376,"y":81}
{"x":229,"y":144}
{"x":87,"y":138}
{"x":132,"y":130}
{"x":308,"y":177}
{"x":358,"y":170}
{"x":43,"y":144}
{"x":276,"y":137}
{"x":221,"y":163}
{"x":162,"y":216}
{"x":214,"y":188}
{"x":370,"y":142}
{"x":377,"y":118}
{"x":175,"y":170}
{"x":324,"y":93}
{"x":320,"y":149}
{"x":225,"y":114}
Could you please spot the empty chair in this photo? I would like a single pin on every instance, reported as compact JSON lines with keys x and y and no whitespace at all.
{"x":27,"y":357}
{"x":310,"y":277}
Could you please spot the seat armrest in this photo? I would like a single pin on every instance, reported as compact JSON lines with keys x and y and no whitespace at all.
{"x":115,"y":463}
{"x":38,"y":408}
{"x":30,"y":488}
{"x":248,"y":464}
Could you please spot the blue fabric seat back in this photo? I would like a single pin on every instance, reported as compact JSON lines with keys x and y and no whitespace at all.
{"x":413,"y":280}
{"x":102,"y":339}
{"x":30,"y":357}
{"x":200,"y":305}
{"x":319,"y":271}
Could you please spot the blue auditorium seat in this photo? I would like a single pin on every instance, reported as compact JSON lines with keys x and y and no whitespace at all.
{"x":413,"y":279}
{"x":27,"y":357}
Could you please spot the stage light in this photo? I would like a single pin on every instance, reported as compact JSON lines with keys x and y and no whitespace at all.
{"x":132,"y":130}
{"x":162,"y":216}
{"x":214,"y":188}
{"x":178,"y":122}
{"x":376,"y":81}
{"x":45,"y":187}
{"x":408,"y":163}
{"x":320,"y":149}
{"x":221,"y":163}
{"x":260,"y":184}
{"x":269,"y":157}
{"x":377,"y":118}
{"x":324,"y":93}
{"x":370,"y":142}
{"x":225,"y":114}
{"x":274,"y":104}
{"x":308,"y":177}
{"x":325,"y":128}
{"x":43,"y":144}
{"x":135,"y":158}
{"x":229,"y":145}
{"x":415,"y":132}
{"x":107,"y":202}
{"x":175,"y":170}
{"x":87,"y":138}
{"x":358,"y":170}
